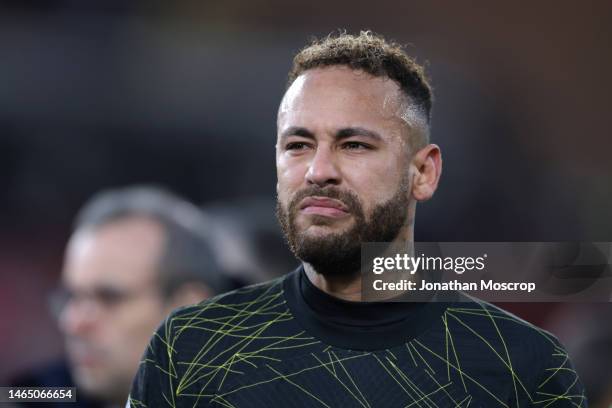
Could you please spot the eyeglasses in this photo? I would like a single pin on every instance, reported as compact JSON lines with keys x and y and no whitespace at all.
{"x":104,"y":298}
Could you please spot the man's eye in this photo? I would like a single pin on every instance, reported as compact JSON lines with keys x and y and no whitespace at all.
{"x":355,"y":146}
{"x":110,"y":297}
{"x":296,"y":146}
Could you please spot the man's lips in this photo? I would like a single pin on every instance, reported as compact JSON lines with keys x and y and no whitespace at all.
{"x":85,"y":355}
{"x":323,"y":206}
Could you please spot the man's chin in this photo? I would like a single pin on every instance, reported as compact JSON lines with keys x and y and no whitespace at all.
{"x":89,"y":380}
{"x":329,"y":253}
{"x":318,"y":226}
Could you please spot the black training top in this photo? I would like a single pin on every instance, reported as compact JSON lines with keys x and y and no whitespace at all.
{"x":285,"y":343}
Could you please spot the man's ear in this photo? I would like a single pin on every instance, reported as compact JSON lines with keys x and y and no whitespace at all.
{"x":188,"y":294}
{"x":427,"y":168}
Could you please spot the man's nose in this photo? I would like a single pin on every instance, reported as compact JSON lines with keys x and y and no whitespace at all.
{"x":323,"y":169}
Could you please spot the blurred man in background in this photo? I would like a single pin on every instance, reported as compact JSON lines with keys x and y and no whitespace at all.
{"x":135,"y":254}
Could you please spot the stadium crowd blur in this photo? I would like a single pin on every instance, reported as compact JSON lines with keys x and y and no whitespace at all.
{"x":100,"y":94}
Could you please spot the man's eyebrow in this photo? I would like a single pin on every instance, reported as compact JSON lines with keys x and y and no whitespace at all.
{"x":340,"y":134}
{"x":357,"y":131}
{"x":297,"y":131}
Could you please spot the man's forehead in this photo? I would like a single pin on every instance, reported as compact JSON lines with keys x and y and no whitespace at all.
{"x":133,"y":229}
{"x":120,"y":250}
{"x":340,"y":88}
{"x":342,"y":83}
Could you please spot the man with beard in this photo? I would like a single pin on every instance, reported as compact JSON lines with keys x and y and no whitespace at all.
{"x":353,"y":158}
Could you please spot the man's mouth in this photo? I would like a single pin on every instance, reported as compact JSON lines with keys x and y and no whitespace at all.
{"x":327,"y":207}
{"x":85,"y":355}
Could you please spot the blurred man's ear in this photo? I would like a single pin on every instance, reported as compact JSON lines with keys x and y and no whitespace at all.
{"x":188,"y":294}
{"x":428,"y":168}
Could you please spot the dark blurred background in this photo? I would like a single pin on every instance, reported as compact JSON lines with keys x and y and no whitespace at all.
{"x":97,"y":94}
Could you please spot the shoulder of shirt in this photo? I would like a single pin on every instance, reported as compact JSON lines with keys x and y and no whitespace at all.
{"x":187,"y":328}
{"x":235,"y":300}
{"x":474,"y":309}
{"x":537,"y":356}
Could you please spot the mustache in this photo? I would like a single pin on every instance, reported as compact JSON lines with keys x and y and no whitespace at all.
{"x":348,"y":198}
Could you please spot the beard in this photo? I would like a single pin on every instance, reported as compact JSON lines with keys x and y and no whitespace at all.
{"x":339,"y":253}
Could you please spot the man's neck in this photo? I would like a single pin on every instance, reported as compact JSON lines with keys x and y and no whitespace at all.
{"x":343,"y":287}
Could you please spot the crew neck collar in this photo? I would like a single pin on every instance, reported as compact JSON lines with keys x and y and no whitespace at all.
{"x":357,"y":325}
